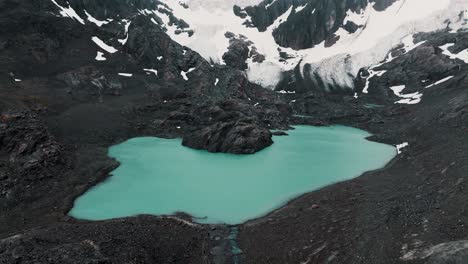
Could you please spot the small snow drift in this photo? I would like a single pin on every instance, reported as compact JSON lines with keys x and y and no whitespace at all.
{"x":103,"y":45}
{"x":125,"y":74}
{"x":184,"y":73}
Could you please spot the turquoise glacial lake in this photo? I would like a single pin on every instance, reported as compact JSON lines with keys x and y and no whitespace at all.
{"x":160,"y":176}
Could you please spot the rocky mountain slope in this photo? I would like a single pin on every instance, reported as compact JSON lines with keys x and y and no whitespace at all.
{"x":79,"y":76}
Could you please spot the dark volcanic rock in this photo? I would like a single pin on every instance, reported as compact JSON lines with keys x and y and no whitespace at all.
{"x":232,"y":137}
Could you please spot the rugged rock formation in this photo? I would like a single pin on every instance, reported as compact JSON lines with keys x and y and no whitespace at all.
{"x":241,"y":137}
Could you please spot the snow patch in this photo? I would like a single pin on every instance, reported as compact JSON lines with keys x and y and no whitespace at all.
{"x":300,"y":8}
{"x":100,"y":56}
{"x":440,"y":81}
{"x":184,"y":74}
{"x":155,"y":72}
{"x":95,"y":21}
{"x":286,"y":92}
{"x":125,"y":74}
{"x":103,"y":45}
{"x":69,"y":12}
{"x":216,"y":82}
{"x":372,"y":74}
{"x":399,"y":147}
{"x":412,"y":98}
{"x":268,"y":5}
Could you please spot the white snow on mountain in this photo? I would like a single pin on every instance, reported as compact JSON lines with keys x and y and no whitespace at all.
{"x":95,"y":21}
{"x":184,"y":73}
{"x":100,"y":56}
{"x":409,"y":44}
{"x":336,"y":64}
{"x":103,"y":45}
{"x":461,"y":22}
{"x":69,"y":12}
{"x":357,"y":18}
{"x":149,"y":71}
{"x":462,"y":55}
{"x":401,"y":146}
{"x":412,"y":98}
{"x":300,"y":8}
{"x":440,"y":81}
{"x":124,"y":74}
{"x":383,"y":31}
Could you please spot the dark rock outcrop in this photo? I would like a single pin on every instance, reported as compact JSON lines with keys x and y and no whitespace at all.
{"x":232,"y":137}
{"x":239,"y":50}
{"x":237,"y":54}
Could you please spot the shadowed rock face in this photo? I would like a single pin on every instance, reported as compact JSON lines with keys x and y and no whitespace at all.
{"x":306,"y":28}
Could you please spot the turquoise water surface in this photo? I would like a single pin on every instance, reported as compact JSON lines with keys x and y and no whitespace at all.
{"x":160,"y":176}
